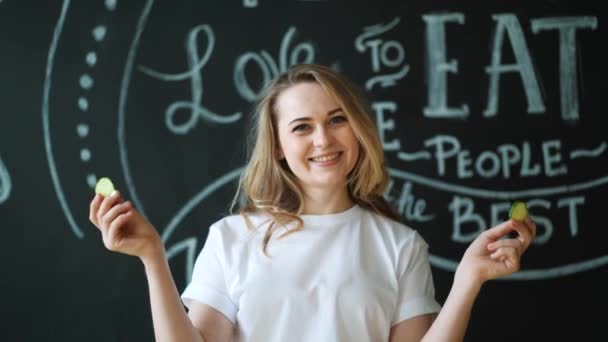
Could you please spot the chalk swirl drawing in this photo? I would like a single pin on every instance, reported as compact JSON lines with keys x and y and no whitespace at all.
{"x":440,"y":151}
{"x":5,"y":182}
{"x":84,"y":106}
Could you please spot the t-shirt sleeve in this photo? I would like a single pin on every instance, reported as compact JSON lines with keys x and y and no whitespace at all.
{"x":208,"y":284}
{"x":416,"y":290}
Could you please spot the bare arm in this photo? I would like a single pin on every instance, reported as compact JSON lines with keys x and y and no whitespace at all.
{"x":449,"y":325}
{"x":412,"y":329}
{"x":124,"y":230}
{"x":488,"y":257}
{"x":171,"y":323}
{"x":453,"y":319}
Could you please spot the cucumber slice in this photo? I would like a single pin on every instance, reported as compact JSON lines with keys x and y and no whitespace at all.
{"x":519,"y":211}
{"x":104,"y":187}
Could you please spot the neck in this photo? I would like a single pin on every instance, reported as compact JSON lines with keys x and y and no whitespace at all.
{"x":319,"y":201}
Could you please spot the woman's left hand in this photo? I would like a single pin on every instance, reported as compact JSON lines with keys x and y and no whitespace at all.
{"x":493,"y":254}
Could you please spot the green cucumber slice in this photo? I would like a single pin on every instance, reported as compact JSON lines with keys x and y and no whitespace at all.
{"x":519,"y":211}
{"x":104,"y":187}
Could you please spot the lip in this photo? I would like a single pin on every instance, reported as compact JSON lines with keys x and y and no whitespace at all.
{"x":328,"y":162}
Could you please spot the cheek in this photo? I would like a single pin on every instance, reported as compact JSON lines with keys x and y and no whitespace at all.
{"x":354,"y":145}
{"x":291,"y":150}
{"x":355,"y":155}
{"x":283,"y":146}
{"x":355,"y":148}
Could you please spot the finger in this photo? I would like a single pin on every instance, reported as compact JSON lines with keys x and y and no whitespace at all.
{"x":512,"y":258}
{"x":116,"y":210}
{"x":514,"y":243}
{"x":499,"y":231}
{"x":106,"y":204}
{"x":532,"y":226}
{"x":508,"y":256}
{"x":93,"y":208}
{"x":115,"y":228}
{"x":523,"y":231}
{"x":500,"y":252}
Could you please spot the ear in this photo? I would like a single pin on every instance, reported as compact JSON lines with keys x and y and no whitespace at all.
{"x":279,"y":154}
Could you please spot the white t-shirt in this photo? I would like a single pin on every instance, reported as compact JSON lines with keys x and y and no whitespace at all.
{"x":348,"y":276}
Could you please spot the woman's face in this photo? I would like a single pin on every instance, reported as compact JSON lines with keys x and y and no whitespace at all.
{"x":315,"y":137}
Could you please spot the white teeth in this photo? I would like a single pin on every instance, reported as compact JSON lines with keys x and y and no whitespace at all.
{"x":326,"y":158}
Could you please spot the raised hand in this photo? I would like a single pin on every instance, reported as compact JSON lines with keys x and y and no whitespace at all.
{"x":493,"y":254}
{"x":123,"y":228}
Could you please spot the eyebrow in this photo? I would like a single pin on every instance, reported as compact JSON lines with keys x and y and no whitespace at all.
{"x":306,"y":118}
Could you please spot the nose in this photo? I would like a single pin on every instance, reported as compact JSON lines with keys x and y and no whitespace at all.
{"x":322,"y":138}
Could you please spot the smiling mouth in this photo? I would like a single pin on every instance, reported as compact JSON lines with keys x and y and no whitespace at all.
{"x":326,"y":158}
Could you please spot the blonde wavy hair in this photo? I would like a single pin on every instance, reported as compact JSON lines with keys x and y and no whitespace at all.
{"x":270,"y":187}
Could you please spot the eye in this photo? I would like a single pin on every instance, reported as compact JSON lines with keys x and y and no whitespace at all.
{"x":300,"y":128}
{"x":338,"y":119}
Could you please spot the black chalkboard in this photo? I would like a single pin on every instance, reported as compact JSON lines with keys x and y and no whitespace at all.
{"x":478,"y":103}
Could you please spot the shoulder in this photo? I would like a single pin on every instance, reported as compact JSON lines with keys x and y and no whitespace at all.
{"x":402,"y":244}
{"x":401,"y":233}
{"x":230,"y":239}
{"x":236,"y":227}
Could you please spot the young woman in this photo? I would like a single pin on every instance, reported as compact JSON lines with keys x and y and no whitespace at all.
{"x":316,"y":254}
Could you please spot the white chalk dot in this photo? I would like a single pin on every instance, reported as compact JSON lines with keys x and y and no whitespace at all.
{"x":91,"y":58}
{"x":86,"y":82}
{"x":250,"y":3}
{"x":110,"y":4}
{"x":82,"y":130}
{"x":91,"y":180}
{"x":99,"y":33}
{"x":83,"y":104}
{"x":85,"y":155}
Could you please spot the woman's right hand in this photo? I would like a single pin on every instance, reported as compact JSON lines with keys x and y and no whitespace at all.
{"x":123,"y":228}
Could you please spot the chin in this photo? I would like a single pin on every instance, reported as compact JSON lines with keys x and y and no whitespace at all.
{"x":329,"y":182}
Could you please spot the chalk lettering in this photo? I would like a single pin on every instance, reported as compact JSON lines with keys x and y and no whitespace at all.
{"x":487,"y":158}
{"x":589,"y":153}
{"x":381,"y":51}
{"x":527,"y":169}
{"x":544,"y":226}
{"x":462,"y":213}
{"x":301,"y":53}
{"x":441,"y":152}
{"x":499,"y":212}
{"x":510,"y":156}
{"x":568,"y":77}
{"x":552,"y":156}
{"x":571,"y":203}
{"x":508,"y":23}
{"x":407,"y":205}
{"x":463,"y":164}
{"x":438,"y":67}
{"x":468,"y":221}
{"x":501,"y":162}
{"x":384,"y":125}
{"x":194,"y":74}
